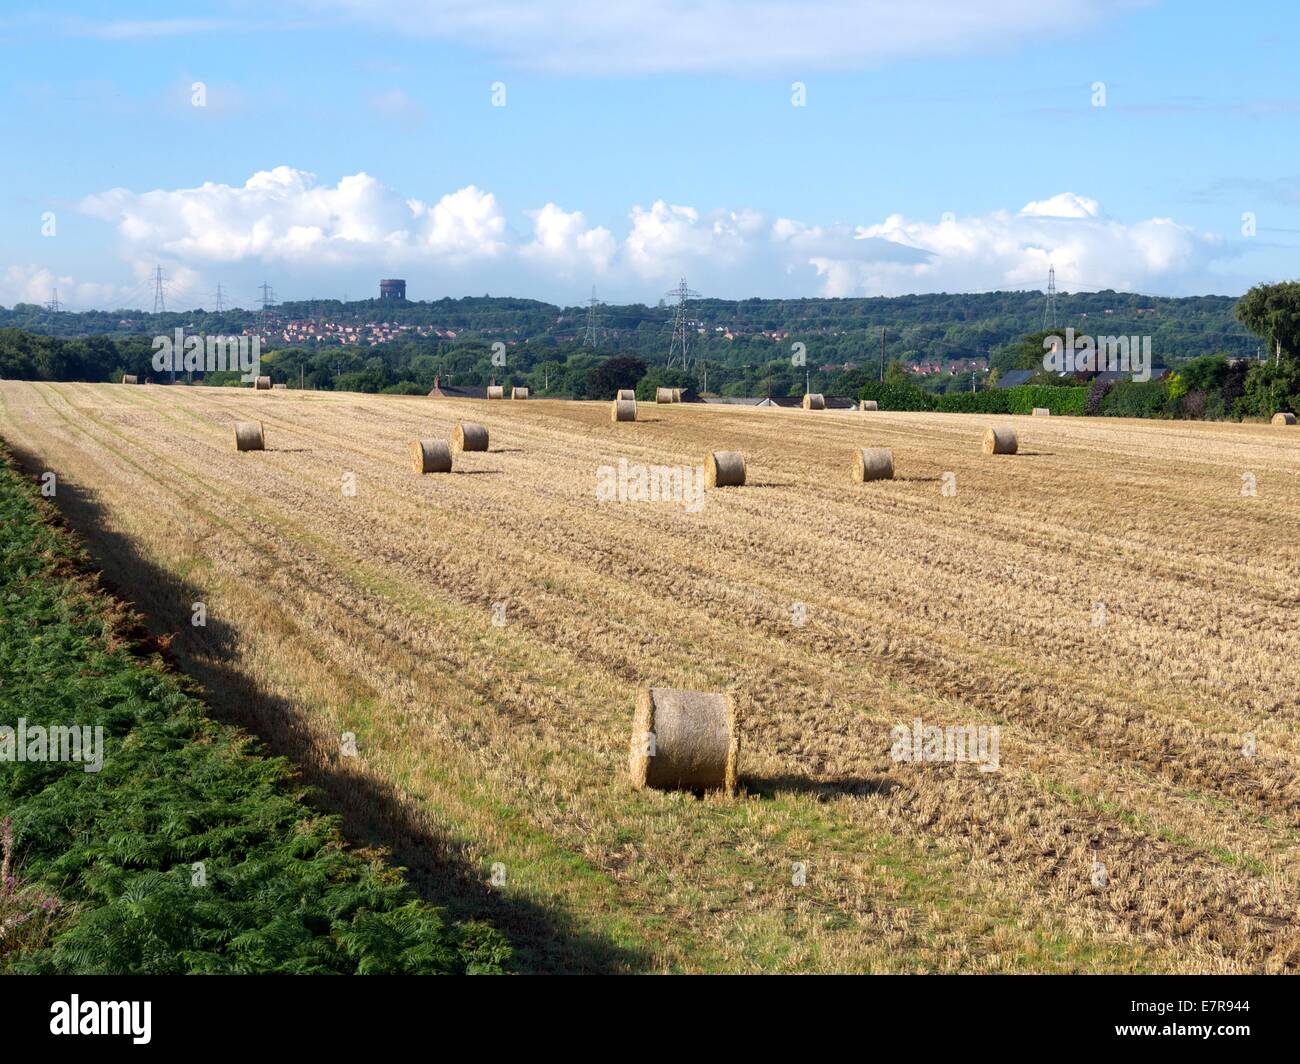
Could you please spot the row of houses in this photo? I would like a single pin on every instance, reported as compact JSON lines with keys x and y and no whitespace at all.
{"x":329,"y":332}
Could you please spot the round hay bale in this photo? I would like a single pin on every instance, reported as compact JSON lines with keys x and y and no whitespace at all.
{"x":262,"y":384}
{"x":683,"y":741}
{"x":518,"y":393}
{"x":469,"y":436}
{"x":677,"y":395}
{"x":130,"y":378}
{"x":814,"y":401}
{"x":249,"y":436}
{"x":279,"y":387}
{"x":496,"y":391}
{"x":1283,"y":419}
{"x":623,"y":410}
{"x":868,"y":404}
{"x":724,"y":469}
{"x":1042,"y":411}
{"x":626,"y":393}
{"x":663,"y":395}
{"x":873,"y":463}
{"x":430,"y":456}
{"x":1000,"y":441}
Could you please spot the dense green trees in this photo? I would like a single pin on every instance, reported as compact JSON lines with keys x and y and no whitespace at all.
{"x":749,"y":346}
{"x":1272,"y":311}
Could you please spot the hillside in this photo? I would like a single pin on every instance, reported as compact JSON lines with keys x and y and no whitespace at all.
{"x":938,"y":326}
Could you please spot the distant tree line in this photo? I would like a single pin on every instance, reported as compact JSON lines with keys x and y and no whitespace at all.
{"x":1211,"y":341}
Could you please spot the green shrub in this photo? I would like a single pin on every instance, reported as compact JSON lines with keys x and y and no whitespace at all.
{"x":1067,"y":401}
{"x":994,"y":401}
{"x":899,"y":396}
{"x":1137,"y":399}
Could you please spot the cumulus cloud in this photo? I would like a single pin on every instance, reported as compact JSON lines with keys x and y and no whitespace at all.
{"x":649,"y":36}
{"x":562,"y":240}
{"x":288,"y":218}
{"x":665,"y":240}
{"x":287,"y":215}
{"x":36,"y":284}
{"x":1062,"y":205}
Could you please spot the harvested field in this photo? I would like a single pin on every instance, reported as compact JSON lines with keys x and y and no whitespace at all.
{"x":483,"y":635}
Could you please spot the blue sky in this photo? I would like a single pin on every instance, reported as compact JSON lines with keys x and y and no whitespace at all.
{"x":942,"y":146}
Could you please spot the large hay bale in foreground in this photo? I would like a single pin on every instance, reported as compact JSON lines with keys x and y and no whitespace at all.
{"x":814,"y":401}
{"x":623,"y":410}
{"x":868,"y":404}
{"x":873,"y":463}
{"x":496,"y":391}
{"x":262,"y":384}
{"x":683,"y":741}
{"x":518,"y":393}
{"x":663,"y":395}
{"x":1042,"y":411}
{"x":249,"y":436}
{"x":626,"y":393}
{"x":1283,"y":419}
{"x":130,"y":378}
{"x":1000,"y":441}
{"x":430,"y":456}
{"x":724,"y":469}
{"x":469,"y":436}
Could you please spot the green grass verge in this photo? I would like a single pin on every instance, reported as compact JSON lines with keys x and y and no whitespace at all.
{"x":190,"y":851}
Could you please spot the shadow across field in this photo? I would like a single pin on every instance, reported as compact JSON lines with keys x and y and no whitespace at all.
{"x":373,"y":814}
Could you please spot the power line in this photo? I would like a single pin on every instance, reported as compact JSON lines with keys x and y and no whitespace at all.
{"x":680,"y":345}
{"x":1049,"y":308}
{"x":219,"y":307}
{"x":54,"y":305}
{"x":268,"y":295}
{"x":592,"y":336}
{"x":159,"y":299}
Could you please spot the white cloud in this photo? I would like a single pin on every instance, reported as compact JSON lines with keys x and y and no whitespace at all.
{"x":665,"y":240}
{"x":466,"y":224}
{"x":1088,"y":249}
{"x":1062,"y":205}
{"x":287,"y":219}
{"x":561,"y":239}
{"x":36,"y":284}
{"x":287,"y":215}
{"x":645,"y":36}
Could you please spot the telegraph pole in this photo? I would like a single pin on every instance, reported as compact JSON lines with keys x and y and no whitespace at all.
{"x":882,"y":354}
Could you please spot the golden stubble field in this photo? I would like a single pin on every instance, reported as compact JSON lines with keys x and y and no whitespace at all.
{"x":483,"y":634}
